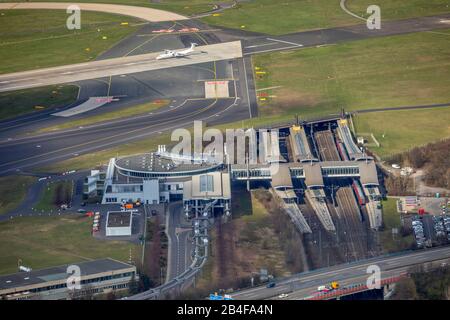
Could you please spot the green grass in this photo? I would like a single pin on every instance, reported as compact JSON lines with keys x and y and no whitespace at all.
{"x":32,"y":39}
{"x":16,"y":103}
{"x":399,"y":131}
{"x":400,"y":9}
{"x":391,"y":219}
{"x":42,"y":242}
{"x":186,"y":7}
{"x":13,"y":190}
{"x":113,"y":115}
{"x":274,"y":17}
{"x":47,"y":201}
{"x":392,"y":71}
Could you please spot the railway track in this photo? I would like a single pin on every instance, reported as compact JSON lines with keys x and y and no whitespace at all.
{"x":326,"y":146}
{"x":351,"y":221}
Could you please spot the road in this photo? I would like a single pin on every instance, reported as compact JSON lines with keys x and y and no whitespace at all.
{"x":180,"y":246}
{"x":305,"y":284}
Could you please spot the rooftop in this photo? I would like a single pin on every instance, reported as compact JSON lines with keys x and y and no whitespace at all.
{"x":153,"y":162}
{"x":118,"y":219}
{"x":36,"y":277}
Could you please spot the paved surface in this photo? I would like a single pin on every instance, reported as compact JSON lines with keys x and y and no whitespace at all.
{"x":147,"y":14}
{"x":336,"y":35}
{"x":180,"y":244}
{"x":305,"y":284}
{"x":44,"y":149}
{"x":116,"y":67}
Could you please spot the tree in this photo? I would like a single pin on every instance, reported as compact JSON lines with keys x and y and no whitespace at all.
{"x":405,"y":290}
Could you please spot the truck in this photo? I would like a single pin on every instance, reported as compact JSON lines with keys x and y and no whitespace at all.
{"x":327,"y":288}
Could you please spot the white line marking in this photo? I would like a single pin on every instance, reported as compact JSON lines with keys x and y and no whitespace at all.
{"x":269,"y":88}
{"x":24,"y":86}
{"x":288,"y":42}
{"x":246,"y":85}
{"x":260,"y":45}
{"x":270,"y":50}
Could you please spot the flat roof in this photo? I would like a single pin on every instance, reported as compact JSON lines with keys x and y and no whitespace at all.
{"x":281,"y":178}
{"x":154,"y":163}
{"x":118,"y":219}
{"x":36,"y":277}
{"x":313,"y":174}
{"x":217,"y":183}
{"x":368,"y":173}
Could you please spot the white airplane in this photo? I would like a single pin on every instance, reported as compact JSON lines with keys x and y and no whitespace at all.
{"x":176,"y":54}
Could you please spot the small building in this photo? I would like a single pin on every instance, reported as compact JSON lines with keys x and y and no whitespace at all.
{"x":96,"y":277}
{"x":119,"y":223}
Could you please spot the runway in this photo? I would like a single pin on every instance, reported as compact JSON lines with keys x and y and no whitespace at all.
{"x":177,"y":81}
{"x":39,"y":150}
{"x":116,"y":67}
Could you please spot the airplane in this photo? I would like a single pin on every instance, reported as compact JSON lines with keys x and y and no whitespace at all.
{"x":176,"y":54}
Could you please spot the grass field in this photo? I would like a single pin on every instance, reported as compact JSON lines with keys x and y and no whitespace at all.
{"x":13,"y":190}
{"x":398,"y":131}
{"x":49,"y":241}
{"x":16,"y":103}
{"x":113,"y":115}
{"x":55,"y":194}
{"x":391,"y":219}
{"x":186,"y":7}
{"x":298,"y":15}
{"x":32,"y":39}
{"x":383,"y":72}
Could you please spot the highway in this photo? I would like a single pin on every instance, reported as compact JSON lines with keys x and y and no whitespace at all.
{"x":305,"y":284}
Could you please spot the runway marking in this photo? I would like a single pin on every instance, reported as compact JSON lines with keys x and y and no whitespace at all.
{"x":246,"y":85}
{"x":24,"y":86}
{"x":287,"y":42}
{"x":260,"y":45}
{"x":268,"y":88}
{"x":9,"y":81}
{"x":141,"y":45}
{"x":123,"y":140}
{"x":112,"y":136}
{"x":271,"y":50}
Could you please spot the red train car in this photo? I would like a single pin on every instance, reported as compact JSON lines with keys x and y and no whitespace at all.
{"x":341,"y":151}
{"x":359,"y":193}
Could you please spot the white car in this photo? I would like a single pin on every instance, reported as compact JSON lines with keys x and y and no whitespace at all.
{"x":283,"y":295}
